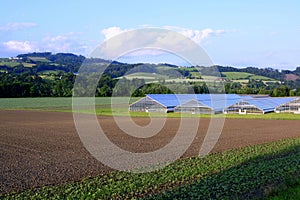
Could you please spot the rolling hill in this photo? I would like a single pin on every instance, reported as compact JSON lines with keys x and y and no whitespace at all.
{"x":67,"y":62}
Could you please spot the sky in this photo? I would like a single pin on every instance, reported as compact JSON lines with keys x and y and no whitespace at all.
{"x":232,"y":33}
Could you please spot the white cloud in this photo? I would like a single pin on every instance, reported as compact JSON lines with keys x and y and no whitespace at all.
{"x":168,"y":38}
{"x":20,"y":46}
{"x":147,"y":51}
{"x":68,"y":42}
{"x":196,"y":35}
{"x":17,"y":26}
{"x":153,"y":41}
{"x":57,"y":38}
{"x":112,"y":31}
{"x":61,"y":43}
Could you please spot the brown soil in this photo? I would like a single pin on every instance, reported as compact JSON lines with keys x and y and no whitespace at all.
{"x":291,"y":77}
{"x":43,"y":148}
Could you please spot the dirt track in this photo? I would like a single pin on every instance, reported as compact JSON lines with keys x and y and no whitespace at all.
{"x":42,"y":148}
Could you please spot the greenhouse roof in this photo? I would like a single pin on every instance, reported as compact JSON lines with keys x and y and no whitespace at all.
{"x":268,"y":104}
{"x":214,"y":101}
{"x":171,"y":100}
{"x":218,"y":102}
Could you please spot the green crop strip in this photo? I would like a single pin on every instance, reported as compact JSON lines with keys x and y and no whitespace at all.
{"x":289,"y":191}
{"x":249,"y":172}
{"x":247,"y":180}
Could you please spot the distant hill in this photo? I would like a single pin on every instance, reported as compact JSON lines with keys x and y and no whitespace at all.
{"x":68,"y":62}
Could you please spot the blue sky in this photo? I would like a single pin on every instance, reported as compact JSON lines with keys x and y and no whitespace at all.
{"x":235,"y":33}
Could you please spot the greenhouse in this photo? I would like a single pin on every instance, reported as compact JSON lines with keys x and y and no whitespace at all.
{"x":292,"y":106}
{"x":215,"y":103}
{"x":208,"y":104}
{"x":194,"y":106}
{"x":192,"y":103}
{"x":257,"y":105}
{"x":160,"y":102}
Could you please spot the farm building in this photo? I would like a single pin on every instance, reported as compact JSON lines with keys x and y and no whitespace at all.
{"x":192,"y":103}
{"x":257,"y":105}
{"x":208,"y":104}
{"x":215,"y":103}
{"x":160,"y":102}
{"x":292,"y":106}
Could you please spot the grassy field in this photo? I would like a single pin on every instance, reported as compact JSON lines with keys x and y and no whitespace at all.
{"x":39,"y":59}
{"x":143,"y":75}
{"x":153,"y":78}
{"x":183,"y":80}
{"x":9,"y":64}
{"x":270,"y":116}
{"x":28,"y":64}
{"x":245,"y":173}
{"x":244,"y":81}
{"x":148,"y":77}
{"x":103,"y":107}
{"x":48,"y":72}
{"x":210,"y":78}
{"x":196,"y":74}
{"x":263,"y":78}
{"x":50,"y":103}
{"x":164,"y":68}
{"x":244,"y":75}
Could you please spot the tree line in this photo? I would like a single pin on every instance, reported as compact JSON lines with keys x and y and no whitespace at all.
{"x":61,"y":85}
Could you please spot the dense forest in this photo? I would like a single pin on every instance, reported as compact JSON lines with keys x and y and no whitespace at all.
{"x":47,"y":74}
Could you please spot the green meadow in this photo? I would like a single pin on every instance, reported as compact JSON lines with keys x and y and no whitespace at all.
{"x":244,"y":75}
